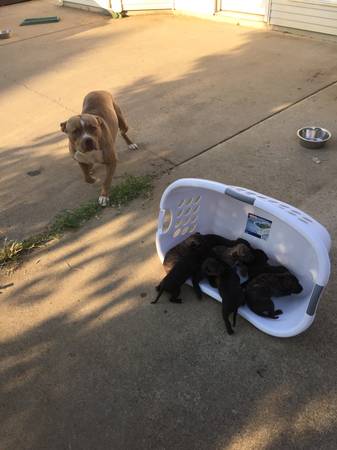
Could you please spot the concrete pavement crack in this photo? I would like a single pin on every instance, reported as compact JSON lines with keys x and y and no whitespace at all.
{"x":13,"y":80}
{"x":249,"y":127}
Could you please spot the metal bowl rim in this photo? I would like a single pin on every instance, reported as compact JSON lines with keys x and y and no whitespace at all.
{"x":311,"y":127}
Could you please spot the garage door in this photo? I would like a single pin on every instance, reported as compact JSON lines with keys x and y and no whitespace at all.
{"x":244,"y":6}
{"x":134,"y":5}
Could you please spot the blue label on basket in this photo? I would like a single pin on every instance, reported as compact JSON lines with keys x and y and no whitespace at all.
{"x":258,"y":226}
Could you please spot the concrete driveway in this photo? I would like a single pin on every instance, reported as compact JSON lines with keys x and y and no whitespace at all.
{"x":184,"y":84}
{"x":85,"y":361}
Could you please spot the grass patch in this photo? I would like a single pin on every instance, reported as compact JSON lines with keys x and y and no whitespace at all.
{"x":130,"y":188}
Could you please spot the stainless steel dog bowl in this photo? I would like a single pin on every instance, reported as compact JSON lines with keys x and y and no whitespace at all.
{"x":313,"y":137}
{"x":5,"y":34}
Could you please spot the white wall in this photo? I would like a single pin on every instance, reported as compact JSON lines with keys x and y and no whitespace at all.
{"x":310,"y":15}
{"x":116,"y":5}
{"x":141,"y":5}
{"x":196,"y":6}
{"x":93,"y":3}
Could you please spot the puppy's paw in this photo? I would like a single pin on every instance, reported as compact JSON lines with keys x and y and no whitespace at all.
{"x":90,"y":180}
{"x":103,"y":201}
{"x":133,"y":147}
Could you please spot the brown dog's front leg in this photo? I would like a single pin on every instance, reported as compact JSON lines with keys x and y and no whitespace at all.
{"x":103,"y":199}
{"x":131,"y":145}
{"x":86,"y":169}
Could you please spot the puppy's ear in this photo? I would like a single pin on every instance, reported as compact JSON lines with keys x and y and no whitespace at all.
{"x":63,"y":126}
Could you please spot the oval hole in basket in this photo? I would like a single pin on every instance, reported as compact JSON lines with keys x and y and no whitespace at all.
{"x":184,"y":230}
{"x":194,"y":218}
{"x":178,"y":223}
{"x":188,"y":201}
{"x":193,"y":228}
{"x":187,"y":221}
{"x":302,"y":220}
{"x":180,"y":204}
{"x":167,"y":221}
{"x":177,"y":233}
{"x":195,"y":208}
{"x":197,"y":199}
{"x":307,"y":219}
{"x":180,"y":213}
{"x":187,"y":211}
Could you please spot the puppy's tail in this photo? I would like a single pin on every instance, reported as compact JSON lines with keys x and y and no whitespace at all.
{"x":157,"y":298}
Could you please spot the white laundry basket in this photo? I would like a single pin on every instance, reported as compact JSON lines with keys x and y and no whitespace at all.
{"x":287,"y":235}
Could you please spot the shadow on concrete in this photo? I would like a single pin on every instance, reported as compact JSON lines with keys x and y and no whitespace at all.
{"x":89,"y":363}
{"x":99,"y":367}
{"x":174,"y":117}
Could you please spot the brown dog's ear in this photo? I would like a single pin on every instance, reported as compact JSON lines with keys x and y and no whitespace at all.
{"x":100,"y":120}
{"x":63,"y":126}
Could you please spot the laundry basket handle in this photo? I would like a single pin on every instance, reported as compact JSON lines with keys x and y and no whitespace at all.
{"x":239,"y":196}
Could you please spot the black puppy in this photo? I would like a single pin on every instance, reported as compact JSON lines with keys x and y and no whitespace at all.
{"x":260,"y":265}
{"x":259,"y":290}
{"x":196,"y":239}
{"x":182,"y":249}
{"x":238,"y":255}
{"x":228,"y":284}
{"x":186,"y":266}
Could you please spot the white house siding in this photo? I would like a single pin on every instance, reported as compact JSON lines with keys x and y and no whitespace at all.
{"x":140,"y":5}
{"x":309,"y":15}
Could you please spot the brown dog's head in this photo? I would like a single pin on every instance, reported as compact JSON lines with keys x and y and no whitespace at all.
{"x":84,"y":131}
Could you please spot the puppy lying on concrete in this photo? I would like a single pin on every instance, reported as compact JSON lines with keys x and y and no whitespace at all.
{"x":92,"y":135}
{"x":260,"y":289}
{"x":228,"y":283}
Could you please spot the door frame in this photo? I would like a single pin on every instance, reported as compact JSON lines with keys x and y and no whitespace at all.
{"x":266,"y":15}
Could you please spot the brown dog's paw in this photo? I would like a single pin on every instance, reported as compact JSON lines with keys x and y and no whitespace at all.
{"x":133,"y":147}
{"x":90,"y":180}
{"x":103,"y":201}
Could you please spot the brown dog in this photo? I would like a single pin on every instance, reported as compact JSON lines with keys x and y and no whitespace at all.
{"x":92,"y":135}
